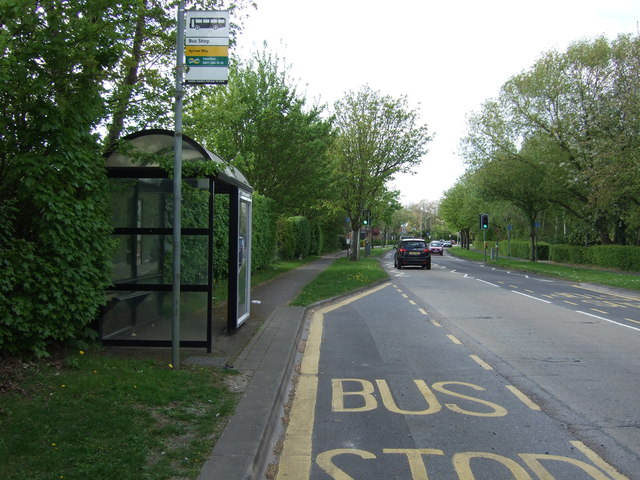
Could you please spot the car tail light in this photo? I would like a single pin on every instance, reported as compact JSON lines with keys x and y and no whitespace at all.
{"x":402,"y":250}
{"x":426,"y":250}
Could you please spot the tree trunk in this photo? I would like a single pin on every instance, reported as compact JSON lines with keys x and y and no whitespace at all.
{"x":602,"y":228}
{"x":532,"y":234}
{"x":123,"y":92}
{"x":620,"y":234}
{"x":355,"y":244}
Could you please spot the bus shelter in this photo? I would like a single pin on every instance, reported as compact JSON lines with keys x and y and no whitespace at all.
{"x":138,"y":309}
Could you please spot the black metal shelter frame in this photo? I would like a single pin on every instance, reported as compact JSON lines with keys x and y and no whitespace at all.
{"x":137,"y":311}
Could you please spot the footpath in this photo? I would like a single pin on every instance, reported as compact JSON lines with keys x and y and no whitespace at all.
{"x":273,"y":334}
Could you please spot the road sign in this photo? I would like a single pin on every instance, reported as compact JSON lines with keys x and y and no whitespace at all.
{"x":207,"y":46}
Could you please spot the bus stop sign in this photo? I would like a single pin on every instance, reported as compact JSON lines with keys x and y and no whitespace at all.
{"x":207,"y":46}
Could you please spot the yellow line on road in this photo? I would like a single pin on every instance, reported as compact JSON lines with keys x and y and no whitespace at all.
{"x":436,"y":324}
{"x":600,"y":311}
{"x":296,"y":459}
{"x":412,"y":302}
{"x":523,"y":398}
{"x":481,"y":362}
{"x":454,"y":339}
{"x":631,"y":320}
{"x":570,"y":303}
{"x":423,"y":311}
{"x":595,"y":458}
{"x":628,"y":297}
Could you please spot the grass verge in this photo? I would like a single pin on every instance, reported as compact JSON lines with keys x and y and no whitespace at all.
{"x":615,"y":279}
{"x":94,"y":416}
{"x":97,"y":416}
{"x":341,"y":277}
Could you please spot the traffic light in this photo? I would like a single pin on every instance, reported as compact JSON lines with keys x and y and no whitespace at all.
{"x":484,"y":221}
{"x":366,"y":214}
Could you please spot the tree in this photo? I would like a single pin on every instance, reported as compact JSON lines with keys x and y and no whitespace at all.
{"x":378,"y":137}
{"x":460,"y":207}
{"x":582,"y":105}
{"x":142,"y":83}
{"x":522,"y":181}
{"x":425,"y":218}
{"x":576,"y":100}
{"x":264,"y":127}
{"x":55,"y":242}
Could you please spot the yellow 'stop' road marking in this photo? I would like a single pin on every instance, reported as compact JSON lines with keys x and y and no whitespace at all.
{"x":595,"y":458}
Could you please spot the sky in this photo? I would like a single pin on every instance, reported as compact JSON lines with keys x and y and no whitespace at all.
{"x":446,"y":57}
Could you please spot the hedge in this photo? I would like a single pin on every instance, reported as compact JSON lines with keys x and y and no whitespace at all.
{"x":263,"y":234}
{"x":294,"y":237}
{"x":522,"y":249}
{"x":619,"y":257}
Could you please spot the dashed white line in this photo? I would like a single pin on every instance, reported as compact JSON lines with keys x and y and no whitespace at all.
{"x":531,"y":296}
{"x":608,"y":320}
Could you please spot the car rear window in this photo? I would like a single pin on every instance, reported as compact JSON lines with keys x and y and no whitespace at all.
{"x":413,"y":245}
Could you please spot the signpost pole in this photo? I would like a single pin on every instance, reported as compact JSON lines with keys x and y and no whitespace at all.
{"x":177,"y":191}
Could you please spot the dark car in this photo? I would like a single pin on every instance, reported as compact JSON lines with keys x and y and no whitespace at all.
{"x":412,"y":251}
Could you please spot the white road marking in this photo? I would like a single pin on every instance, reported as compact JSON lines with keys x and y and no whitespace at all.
{"x":531,"y":296}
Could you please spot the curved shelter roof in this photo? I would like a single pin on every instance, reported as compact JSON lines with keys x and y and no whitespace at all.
{"x":155,"y":143}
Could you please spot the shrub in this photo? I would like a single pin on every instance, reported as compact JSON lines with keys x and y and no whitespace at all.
{"x":55,"y":261}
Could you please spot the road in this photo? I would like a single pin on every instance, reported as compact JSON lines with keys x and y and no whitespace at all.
{"x":465,"y":372}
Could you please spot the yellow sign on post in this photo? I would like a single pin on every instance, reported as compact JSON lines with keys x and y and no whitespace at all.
{"x":208,"y":51}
